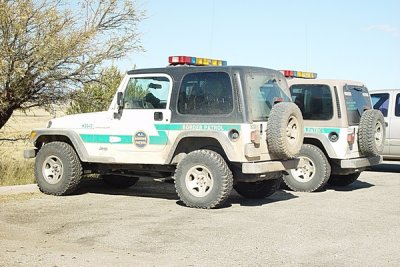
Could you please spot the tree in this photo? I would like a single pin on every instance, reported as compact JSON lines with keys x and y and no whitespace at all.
{"x":49,"y":49}
{"x":96,"y":95}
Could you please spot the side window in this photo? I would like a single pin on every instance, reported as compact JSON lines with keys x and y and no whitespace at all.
{"x":146,"y":93}
{"x":397,"y":108}
{"x":314,"y":100}
{"x":381,"y":102}
{"x":205,"y":93}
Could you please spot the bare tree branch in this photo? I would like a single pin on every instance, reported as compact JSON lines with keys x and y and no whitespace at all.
{"x":47,"y":51}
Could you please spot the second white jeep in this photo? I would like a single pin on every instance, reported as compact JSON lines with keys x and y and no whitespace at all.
{"x":343,"y":134}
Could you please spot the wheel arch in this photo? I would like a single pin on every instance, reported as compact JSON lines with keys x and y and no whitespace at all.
{"x":69,"y":137}
{"x":191,"y":141}
{"x":323,"y":145}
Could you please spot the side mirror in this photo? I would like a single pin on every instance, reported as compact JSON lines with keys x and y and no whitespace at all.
{"x":120,"y":100}
{"x":120,"y":104}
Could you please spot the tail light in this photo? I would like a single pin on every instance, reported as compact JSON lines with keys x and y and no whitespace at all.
{"x":351,"y":136}
{"x":278,"y":100}
{"x":255,"y":137}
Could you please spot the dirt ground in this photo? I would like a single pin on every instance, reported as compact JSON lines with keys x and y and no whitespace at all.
{"x":146,"y":225}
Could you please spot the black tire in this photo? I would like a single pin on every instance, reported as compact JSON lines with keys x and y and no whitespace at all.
{"x":343,"y":180}
{"x":259,"y":189}
{"x":371,"y":133}
{"x":313,"y":174}
{"x":203,"y":180}
{"x":58,"y":169}
{"x":119,"y":181}
{"x":285,"y":131}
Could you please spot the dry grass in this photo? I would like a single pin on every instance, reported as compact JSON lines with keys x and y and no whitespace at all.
{"x":14,"y":169}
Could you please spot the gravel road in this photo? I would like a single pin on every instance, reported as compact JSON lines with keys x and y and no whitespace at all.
{"x":146,"y":225}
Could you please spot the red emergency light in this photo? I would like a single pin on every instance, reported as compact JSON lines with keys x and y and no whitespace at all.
{"x":299,"y":74}
{"x":195,"y":61}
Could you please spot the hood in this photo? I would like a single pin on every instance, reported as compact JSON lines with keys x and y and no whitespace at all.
{"x":81,"y":121}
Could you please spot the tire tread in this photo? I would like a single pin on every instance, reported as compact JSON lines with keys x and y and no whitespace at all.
{"x":276,"y":130}
{"x":72,"y":179}
{"x":226,"y":178}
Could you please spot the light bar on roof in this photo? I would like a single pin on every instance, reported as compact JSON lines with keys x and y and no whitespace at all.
{"x":195,"y":61}
{"x":299,"y":74}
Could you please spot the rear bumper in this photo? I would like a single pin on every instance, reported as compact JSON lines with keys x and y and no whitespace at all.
{"x":269,"y":166}
{"x":360,"y":162}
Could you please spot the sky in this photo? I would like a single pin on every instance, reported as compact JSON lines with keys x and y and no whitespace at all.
{"x":353,"y":39}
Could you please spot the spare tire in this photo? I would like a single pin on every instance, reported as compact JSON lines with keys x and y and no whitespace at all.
{"x":285,"y":131}
{"x":371,"y":133}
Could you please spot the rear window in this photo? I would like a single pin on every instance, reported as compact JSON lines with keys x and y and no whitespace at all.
{"x":314,"y":100}
{"x":357,"y":100}
{"x":381,"y":102}
{"x":264,"y":89}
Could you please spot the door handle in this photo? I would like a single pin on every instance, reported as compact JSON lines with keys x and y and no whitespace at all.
{"x":158,"y":116}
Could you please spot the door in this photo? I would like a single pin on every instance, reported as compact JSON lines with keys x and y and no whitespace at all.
{"x":381,"y":101}
{"x":141,"y":129}
{"x":394,"y":127}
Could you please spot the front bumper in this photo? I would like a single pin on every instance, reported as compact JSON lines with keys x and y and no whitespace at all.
{"x":270,"y":166}
{"x":360,"y":162}
{"x":30,"y":153}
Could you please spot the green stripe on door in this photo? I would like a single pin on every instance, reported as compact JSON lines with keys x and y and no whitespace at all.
{"x":321,"y":130}
{"x":106,"y":138}
{"x":197,"y":127}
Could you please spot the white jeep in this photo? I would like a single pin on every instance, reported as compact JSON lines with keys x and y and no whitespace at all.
{"x":343,"y":134}
{"x":212,"y":128}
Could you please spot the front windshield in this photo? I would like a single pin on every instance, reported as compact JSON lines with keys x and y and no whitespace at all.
{"x":264,"y":90}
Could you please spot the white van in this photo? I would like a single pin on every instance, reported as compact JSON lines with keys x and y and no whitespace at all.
{"x":388,"y":102}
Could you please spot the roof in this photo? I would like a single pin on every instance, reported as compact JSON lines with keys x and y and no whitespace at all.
{"x":384,"y":91}
{"x":337,"y":82}
{"x":180,"y":70}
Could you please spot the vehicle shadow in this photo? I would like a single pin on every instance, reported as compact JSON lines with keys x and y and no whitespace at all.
{"x":357,"y":185}
{"x":164,"y":190}
{"x":387,"y":166}
{"x":278,"y":196}
{"x":143,"y":188}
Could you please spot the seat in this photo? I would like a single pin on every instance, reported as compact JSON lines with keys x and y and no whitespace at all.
{"x":299,"y":101}
{"x":196,"y":99}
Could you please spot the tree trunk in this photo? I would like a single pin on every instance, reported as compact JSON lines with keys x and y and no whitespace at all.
{"x":5,"y":114}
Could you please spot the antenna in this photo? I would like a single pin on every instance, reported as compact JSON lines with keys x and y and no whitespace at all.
{"x":212,"y":28}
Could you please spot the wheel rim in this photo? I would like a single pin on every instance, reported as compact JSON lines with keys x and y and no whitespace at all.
{"x":199,"y":181}
{"x":52,"y":169}
{"x":306,"y":172}
{"x":378,"y":134}
{"x":292,"y":130}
